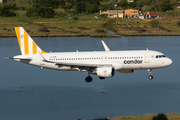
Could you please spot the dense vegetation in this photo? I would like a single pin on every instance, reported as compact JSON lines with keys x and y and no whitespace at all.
{"x":60,"y":8}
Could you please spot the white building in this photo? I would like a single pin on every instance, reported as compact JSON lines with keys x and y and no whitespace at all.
{"x":3,"y":1}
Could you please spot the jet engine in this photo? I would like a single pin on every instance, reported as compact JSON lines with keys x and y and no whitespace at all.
{"x":105,"y":72}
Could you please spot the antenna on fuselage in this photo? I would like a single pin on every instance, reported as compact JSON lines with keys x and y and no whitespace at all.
{"x":105,"y":46}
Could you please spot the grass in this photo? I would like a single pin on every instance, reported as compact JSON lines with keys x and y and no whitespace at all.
{"x":87,"y":25}
{"x":172,"y":116}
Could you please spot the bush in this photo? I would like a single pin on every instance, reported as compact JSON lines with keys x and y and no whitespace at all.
{"x":92,"y":8}
{"x":43,"y":29}
{"x":100,"y":31}
{"x":75,"y":18}
{"x":60,"y":12}
{"x":7,"y":10}
{"x":102,"y":16}
{"x":43,"y":12}
{"x":45,"y":3}
{"x":21,"y":13}
{"x":178,"y":23}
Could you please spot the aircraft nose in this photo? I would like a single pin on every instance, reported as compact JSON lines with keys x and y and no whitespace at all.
{"x":169,"y":62}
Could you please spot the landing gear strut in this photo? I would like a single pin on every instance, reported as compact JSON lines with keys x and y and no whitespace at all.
{"x":150,"y":76}
{"x":89,"y":78}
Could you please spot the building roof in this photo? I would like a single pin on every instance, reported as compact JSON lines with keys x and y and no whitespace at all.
{"x":153,"y":13}
{"x":115,"y":11}
{"x":128,"y":9}
{"x":104,"y":13}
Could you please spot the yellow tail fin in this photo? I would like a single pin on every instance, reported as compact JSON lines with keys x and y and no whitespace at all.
{"x":26,"y":43}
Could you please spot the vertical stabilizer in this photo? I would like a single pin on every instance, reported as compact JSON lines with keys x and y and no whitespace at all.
{"x":26,"y":43}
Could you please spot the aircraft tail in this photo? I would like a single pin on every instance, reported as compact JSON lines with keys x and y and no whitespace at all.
{"x":26,"y":43}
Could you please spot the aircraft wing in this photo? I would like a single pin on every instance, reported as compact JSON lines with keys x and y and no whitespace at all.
{"x":81,"y":64}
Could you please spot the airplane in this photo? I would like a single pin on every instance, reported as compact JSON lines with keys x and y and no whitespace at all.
{"x":100,"y":63}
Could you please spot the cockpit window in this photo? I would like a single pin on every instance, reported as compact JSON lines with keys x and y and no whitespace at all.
{"x":160,"y":56}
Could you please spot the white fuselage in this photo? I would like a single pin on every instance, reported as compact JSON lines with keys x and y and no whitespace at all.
{"x":120,"y":60}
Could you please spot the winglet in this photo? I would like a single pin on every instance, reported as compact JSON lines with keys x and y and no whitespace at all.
{"x":105,"y":46}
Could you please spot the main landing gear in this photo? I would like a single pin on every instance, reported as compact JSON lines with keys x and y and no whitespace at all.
{"x":89,"y":78}
{"x":150,"y":76}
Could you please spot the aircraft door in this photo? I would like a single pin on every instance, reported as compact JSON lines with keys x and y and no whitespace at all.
{"x":147,"y":57}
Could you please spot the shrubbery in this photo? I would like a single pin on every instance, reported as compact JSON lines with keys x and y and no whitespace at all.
{"x":100,"y":31}
{"x":43,"y":29}
{"x":45,"y":3}
{"x":178,"y":23}
{"x":44,"y":12}
{"x":75,"y":18}
{"x":7,"y":10}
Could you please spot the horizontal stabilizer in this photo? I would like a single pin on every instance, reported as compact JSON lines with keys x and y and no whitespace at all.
{"x":22,"y":57}
{"x":8,"y":58}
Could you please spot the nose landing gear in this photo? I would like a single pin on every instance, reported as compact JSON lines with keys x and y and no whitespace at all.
{"x":150,"y":76}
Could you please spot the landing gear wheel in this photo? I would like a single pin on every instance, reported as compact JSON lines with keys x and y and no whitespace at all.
{"x":150,"y":77}
{"x":101,"y":78}
{"x":88,"y":79}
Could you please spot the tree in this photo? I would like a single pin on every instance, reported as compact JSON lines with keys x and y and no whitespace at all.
{"x":81,"y":7}
{"x":62,"y":3}
{"x":44,"y":12}
{"x":165,"y":5}
{"x":175,"y":2}
{"x":7,"y":10}
{"x":46,"y":3}
{"x":146,"y":2}
{"x":92,"y":8}
{"x":107,"y":6}
{"x":123,"y":4}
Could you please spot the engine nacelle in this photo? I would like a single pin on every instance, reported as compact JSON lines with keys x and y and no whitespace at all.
{"x":126,"y":71}
{"x":105,"y":72}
